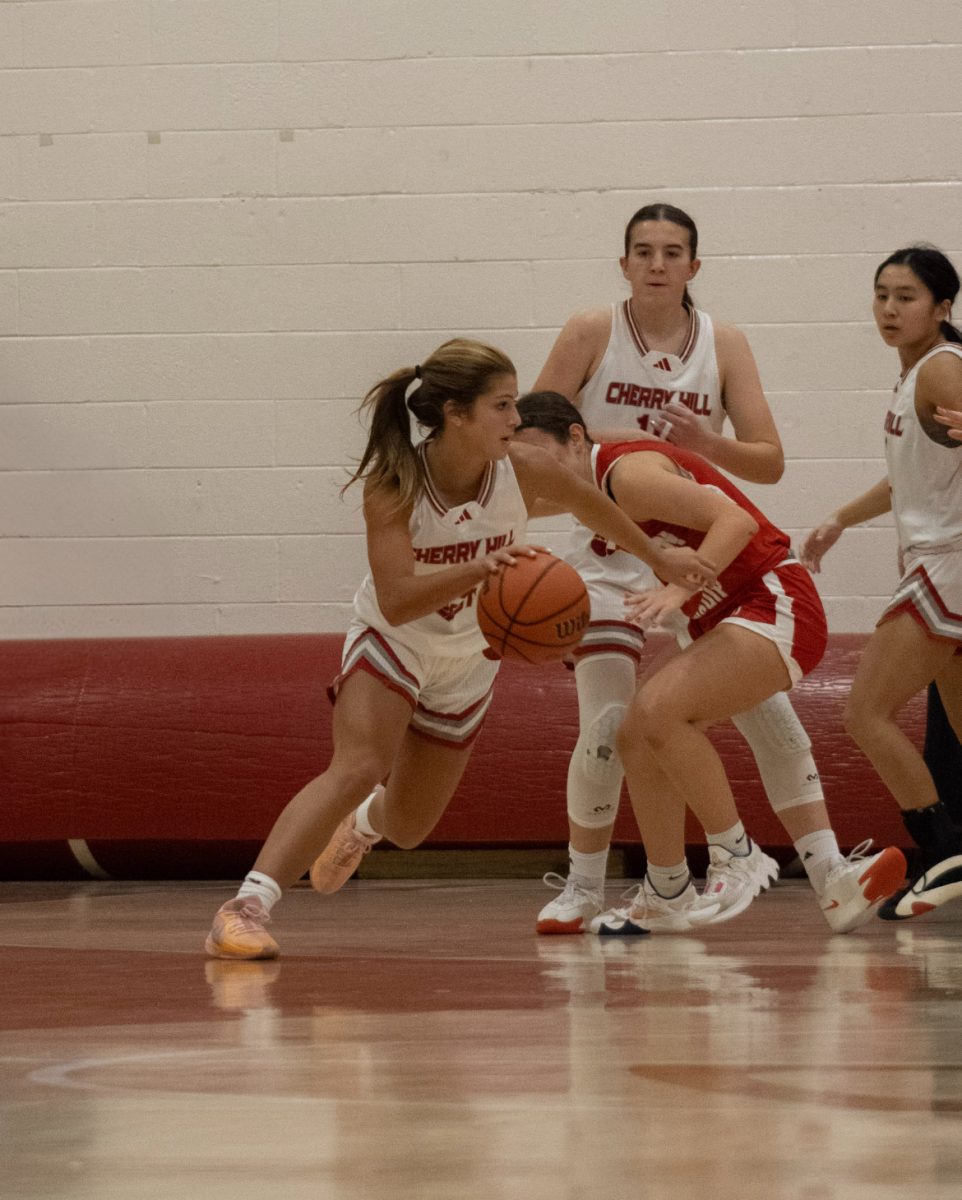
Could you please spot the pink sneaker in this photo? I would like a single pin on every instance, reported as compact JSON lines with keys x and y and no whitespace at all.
{"x":238,"y":931}
{"x":340,"y":858}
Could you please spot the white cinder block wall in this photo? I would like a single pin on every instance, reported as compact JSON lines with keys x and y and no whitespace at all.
{"x":222,"y":220}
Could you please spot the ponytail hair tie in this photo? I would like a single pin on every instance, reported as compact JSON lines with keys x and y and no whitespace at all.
{"x":417,"y":371}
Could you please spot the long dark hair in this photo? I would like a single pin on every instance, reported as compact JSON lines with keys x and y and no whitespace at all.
{"x":937,"y":274}
{"x":459,"y":371}
{"x":677,"y":216}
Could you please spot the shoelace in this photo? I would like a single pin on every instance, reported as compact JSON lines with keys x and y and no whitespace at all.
{"x":644,"y":901}
{"x":860,"y":852}
{"x":569,"y":888}
{"x":350,"y":846}
{"x":250,"y":916}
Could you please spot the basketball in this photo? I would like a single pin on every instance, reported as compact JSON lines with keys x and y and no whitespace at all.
{"x":535,"y":611}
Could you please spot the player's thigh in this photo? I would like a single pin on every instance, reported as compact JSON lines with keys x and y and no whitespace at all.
{"x":727,"y":671}
{"x":370,"y":723}
{"x":899,"y":660}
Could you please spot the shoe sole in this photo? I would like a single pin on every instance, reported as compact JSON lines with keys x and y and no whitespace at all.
{"x":934,"y":895}
{"x":328,"y":886}
{"x":212,"y":950}
{"x":625,"y":929}
{"x":552,"y":926}
{"x":682,"y":923}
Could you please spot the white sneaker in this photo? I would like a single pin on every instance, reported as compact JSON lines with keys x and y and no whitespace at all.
{"x":647,"y":912}
{"x":855,"y":889}
{"x":732,"y":882}
{"x":568,"y":912}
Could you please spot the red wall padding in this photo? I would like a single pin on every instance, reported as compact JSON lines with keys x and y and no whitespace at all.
{"x":184,"y":739}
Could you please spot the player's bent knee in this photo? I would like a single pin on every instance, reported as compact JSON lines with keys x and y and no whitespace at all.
{"x":597,"y":747}
{"x":862,"y":723}
{"x":359,"y":777}
{"x":596,"y":771}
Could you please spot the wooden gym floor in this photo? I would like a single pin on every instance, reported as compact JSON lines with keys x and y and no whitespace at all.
{"x":417,"y":1041}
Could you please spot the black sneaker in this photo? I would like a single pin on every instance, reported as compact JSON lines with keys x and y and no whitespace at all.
{"x":934,"y":884}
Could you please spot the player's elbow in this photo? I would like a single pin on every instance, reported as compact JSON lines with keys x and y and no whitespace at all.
{"x":745,"y":524}
{"x":392,"y":607}
{"x":772,"y":466}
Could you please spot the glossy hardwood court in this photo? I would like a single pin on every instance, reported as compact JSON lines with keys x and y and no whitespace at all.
{"x":417,"y":1041}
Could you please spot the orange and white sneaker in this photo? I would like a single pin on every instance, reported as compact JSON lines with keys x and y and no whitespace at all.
{"x":238,"y":931}
{"x":855,"y":889}
{"x":341,"y":857}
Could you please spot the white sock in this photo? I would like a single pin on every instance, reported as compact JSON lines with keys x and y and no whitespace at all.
{"x":261,"y":886}
{"x":819,"y":853}
{"x":669,"y":882}
{"x":589,"y":868}
{"x":362,"y":821}
{"x":735,"y":840}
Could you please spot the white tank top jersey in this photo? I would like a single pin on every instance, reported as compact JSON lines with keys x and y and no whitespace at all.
{"x":444,"y":537}
{"x":631,"y":385}
{"x":926,"y":478}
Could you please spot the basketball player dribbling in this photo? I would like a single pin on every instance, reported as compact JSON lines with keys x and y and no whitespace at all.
{"x":918,"y":638}
{"x":754,"y":632}
{"x":415,"y":681}
{"x":655,"y":366}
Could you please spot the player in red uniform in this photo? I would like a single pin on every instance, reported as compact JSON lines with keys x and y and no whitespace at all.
{"x":756,"y":631}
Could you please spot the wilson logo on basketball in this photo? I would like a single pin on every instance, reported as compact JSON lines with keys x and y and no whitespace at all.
{"x":573,"y":625}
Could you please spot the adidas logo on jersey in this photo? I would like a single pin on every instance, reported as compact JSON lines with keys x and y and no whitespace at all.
{"x":663,"y":364}
{"x":465,"y":516}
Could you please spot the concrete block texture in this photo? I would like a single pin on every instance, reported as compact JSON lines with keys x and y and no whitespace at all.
{"x":222,"y":221}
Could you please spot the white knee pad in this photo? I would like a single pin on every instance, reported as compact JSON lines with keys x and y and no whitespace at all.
{"x":595,"y":771}
{"x":782,"y":751}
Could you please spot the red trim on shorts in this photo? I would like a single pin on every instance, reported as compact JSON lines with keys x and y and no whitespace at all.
{"x":445,"y":742}
{"x":365,"y":664}
{"x":757,"y":603}
{"x":908,"y":606}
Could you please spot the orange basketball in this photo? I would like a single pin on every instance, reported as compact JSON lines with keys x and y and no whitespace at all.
{"x":535,"y":611}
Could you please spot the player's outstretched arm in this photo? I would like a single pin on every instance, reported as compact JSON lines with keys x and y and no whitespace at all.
{"x":541,"y":477}
{"x":873,"y":503}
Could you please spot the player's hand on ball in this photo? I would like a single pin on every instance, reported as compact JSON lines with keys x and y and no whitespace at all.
{"x":818,"y":542}
{"x":649,"y":609}
{"x":507,"y":556}
{"x":686,"y":567}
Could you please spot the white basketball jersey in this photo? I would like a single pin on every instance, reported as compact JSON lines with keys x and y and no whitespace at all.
{"x":926,"y":478}
{"x":631,"y":385}
{"x":444,"y":537}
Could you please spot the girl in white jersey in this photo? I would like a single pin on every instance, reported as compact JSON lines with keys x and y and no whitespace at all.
{"x":918,"y":639}
{"x":654,"y":365}
{"x":415,"y":682}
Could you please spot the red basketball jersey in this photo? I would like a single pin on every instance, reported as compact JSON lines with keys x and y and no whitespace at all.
{"x":769,"y":547}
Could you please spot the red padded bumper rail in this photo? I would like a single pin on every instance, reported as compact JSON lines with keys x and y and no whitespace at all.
{"x":197,"y":743}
